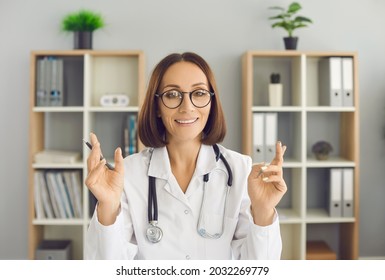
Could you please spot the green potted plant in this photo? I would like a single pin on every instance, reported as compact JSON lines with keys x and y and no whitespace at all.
{"x":322,"y":149}
{"x":83,"y":23}
{"x":288,"y":20}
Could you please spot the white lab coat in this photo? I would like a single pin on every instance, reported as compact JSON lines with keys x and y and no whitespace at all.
{"x":179,"y":213}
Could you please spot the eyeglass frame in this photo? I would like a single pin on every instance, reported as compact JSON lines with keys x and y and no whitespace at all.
{"x":160,"y":95}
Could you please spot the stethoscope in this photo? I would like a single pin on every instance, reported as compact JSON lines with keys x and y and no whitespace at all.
{"x":154,"y":233}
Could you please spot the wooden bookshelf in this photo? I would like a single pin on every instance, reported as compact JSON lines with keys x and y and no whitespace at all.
{"x":302,"y":121}
{"x":88,"y":74}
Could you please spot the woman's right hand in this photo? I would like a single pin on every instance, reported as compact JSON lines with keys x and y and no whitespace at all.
{"x":105,"y":184}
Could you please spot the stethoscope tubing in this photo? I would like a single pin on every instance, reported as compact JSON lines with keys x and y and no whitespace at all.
{"x":153,"y":203}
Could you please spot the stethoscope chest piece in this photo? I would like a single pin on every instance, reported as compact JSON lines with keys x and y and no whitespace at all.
{"x":154,"y":233}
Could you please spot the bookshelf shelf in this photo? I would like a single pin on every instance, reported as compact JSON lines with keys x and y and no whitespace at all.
{"x":110,"y":109}
{"x":59,"y":222}
{"x":58,"y":109}
{"x":76,"y":165}
{"x":301,"y":121}
{"x":87,"y":76}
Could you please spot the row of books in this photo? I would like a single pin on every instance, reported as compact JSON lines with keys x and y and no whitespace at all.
{"x":129,"y":135}
{"x":49,"y":81}
{"x":58,"y":194}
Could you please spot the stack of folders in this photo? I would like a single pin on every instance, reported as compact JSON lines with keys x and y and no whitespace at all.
{"x":49,"y":81}
{"x":341,"y":198}
{"x":336,"y":81}
{"x":129,"y":135}
{"x":58,"y":195}
{"x":265,"y":130}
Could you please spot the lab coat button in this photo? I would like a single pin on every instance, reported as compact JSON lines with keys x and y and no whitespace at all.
{"x":188,"y":257}
{"x":186,"y":212}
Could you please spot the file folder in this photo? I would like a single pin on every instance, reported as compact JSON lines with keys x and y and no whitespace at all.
{"x":271,"y":125}
{"x":330,"y":81}
{"x":258,"y":137}
{"x":347,"y":192}
{"x":347,"y":81}
{"x":335,"y":197}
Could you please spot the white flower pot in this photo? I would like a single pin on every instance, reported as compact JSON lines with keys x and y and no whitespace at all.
{"x":275,"y":95}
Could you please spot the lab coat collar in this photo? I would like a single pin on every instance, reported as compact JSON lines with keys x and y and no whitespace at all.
{"x":160,"y":162}
{"x":206,"y":160}
{"x":160,"y":168}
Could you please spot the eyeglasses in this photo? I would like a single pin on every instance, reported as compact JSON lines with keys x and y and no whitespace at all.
{"x":173,"y":98}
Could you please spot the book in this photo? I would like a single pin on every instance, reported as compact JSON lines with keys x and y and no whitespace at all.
{"x":125,"y":136}
{"x":132,"y":134}
{"x":53,"y":195}
{"x":129,"y":135}
{"x":47,"y":204}
{"x":64,"y":195}
{"x":73,"y":193}
{"x":39,"y":211}
{"x":77,"y":187}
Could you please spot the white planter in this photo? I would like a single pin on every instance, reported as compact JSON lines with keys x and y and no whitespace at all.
{"x":275,"y":95}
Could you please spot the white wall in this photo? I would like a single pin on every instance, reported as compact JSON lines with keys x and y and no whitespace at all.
{"x":221,"y":31}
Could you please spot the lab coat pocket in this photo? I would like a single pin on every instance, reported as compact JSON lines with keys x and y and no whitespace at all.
{"x":218,"y":248}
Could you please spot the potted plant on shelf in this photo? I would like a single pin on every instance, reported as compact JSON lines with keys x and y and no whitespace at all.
{"x":287,"y":20}
{"x":83,"y":23}
{"x":322,"y":149}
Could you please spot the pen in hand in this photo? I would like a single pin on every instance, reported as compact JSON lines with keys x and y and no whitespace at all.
{"x":109,"y":166}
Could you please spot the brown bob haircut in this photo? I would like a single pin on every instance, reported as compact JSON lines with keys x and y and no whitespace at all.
{"x":150,"y":127}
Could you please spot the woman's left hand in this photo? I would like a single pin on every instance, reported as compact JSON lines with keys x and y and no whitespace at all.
{"x":266,"y":187}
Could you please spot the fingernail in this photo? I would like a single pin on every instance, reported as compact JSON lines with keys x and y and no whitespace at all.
{"x":265,"y":179}
{"x":263,"y":168}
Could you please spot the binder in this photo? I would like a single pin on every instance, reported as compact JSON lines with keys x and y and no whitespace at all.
{"x":270,"y":135}
{"x":347,"y":81}
{"x":56,"y":82}
{"x":330,"y":81}
{"x":347,"y":192}
{"x":42,"y":98}
{"x":335,"y":197}
{"x":258,"y":137}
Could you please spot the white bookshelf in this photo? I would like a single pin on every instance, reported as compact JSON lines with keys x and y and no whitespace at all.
{"x":301,"y":122}
{"x":88,"y":74}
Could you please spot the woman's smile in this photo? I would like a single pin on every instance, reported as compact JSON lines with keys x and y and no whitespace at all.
{"x":186,"y":121}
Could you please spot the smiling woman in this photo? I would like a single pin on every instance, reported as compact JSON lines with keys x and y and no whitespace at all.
{"x":203,"y":201}
{"x":153,"y":134}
